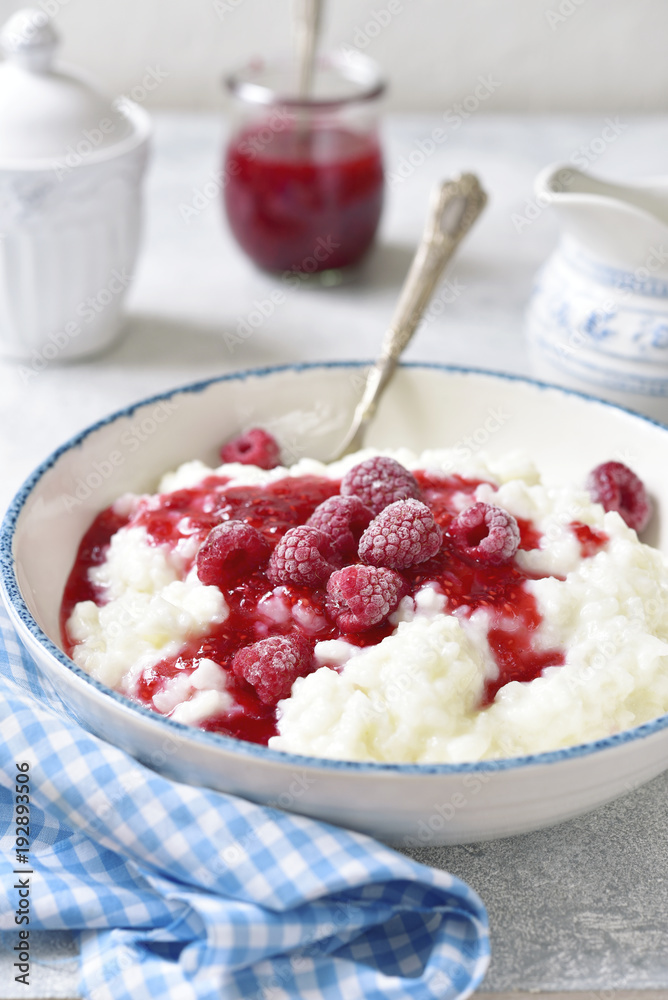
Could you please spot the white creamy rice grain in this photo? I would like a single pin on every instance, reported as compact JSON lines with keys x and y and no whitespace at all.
{"x":610,"y":615}
{"x":418,"y":686}
{"x":148,"y":612}
{"x":415,"y":696}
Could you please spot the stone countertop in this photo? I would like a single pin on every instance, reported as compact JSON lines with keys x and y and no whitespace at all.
{"x":582,"y":906}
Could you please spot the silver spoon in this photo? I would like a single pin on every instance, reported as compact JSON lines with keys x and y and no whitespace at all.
{"x":455,"y":206}
{"x":307,"y":18}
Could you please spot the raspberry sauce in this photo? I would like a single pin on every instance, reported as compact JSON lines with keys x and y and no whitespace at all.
{"x":591,"y":539}
{"x":305,"y":201}
{"x":258,"y":610}
{"x":92,"y":551}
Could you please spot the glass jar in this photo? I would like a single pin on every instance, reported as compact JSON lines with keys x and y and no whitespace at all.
{"x":303,"y":179}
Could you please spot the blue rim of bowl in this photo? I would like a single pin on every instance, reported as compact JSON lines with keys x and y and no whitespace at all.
{"x":14,"y":597}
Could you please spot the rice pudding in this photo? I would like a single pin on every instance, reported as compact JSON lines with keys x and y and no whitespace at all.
{"x":388,"y":607}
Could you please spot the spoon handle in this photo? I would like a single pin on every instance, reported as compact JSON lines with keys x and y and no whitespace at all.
{"x":307,"y":18}
{"x":455,"y":206}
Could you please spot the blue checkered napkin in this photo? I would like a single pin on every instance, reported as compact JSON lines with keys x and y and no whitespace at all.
{"x":187,"y":893}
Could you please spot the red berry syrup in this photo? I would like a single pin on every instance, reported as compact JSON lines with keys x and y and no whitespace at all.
{"x":273,"y":509}
{"x":304,"y":200}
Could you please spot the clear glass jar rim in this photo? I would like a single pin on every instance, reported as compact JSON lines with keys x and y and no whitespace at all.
{"x":352,"y":66}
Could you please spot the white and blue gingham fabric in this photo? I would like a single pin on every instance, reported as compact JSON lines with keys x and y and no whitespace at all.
{"x":190,"y":894}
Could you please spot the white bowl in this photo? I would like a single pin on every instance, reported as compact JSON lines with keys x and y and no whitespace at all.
{"x":308,"y":407}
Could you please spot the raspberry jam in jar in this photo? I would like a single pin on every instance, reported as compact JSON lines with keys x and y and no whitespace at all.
{"x":303,"y":179}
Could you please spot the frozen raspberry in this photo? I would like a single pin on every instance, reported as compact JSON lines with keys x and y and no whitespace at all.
{"x":378,"y":482}
{"x":359,"y":597}
{"x":616,"y":487}
{"x":255,"y":447}
{"x":485,"y":534}
{"x":272,"y":665}
{"x":342,"y":519}
{"x":402,"y":535}
{"x":230,"y":551}
{"x":302,"y":557}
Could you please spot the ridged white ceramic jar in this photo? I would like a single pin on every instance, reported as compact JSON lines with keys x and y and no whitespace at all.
{"x":70,"y":208}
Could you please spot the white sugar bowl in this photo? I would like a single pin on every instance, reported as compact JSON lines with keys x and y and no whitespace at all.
{"x":71,"y":169}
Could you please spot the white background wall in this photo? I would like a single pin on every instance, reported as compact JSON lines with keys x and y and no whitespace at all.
{"x":545,"y":55}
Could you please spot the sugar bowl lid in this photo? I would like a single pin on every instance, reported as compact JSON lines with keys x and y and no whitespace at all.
{"x":47,"y":112}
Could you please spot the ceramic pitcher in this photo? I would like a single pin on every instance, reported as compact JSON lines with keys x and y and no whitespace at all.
{"x":598,"y":317}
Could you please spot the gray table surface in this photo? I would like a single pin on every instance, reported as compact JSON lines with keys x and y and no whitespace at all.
{"x":582,"y":906}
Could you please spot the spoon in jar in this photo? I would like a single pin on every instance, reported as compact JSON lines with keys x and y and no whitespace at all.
{"x":307,"y":18}
{"x":455,"y":206}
